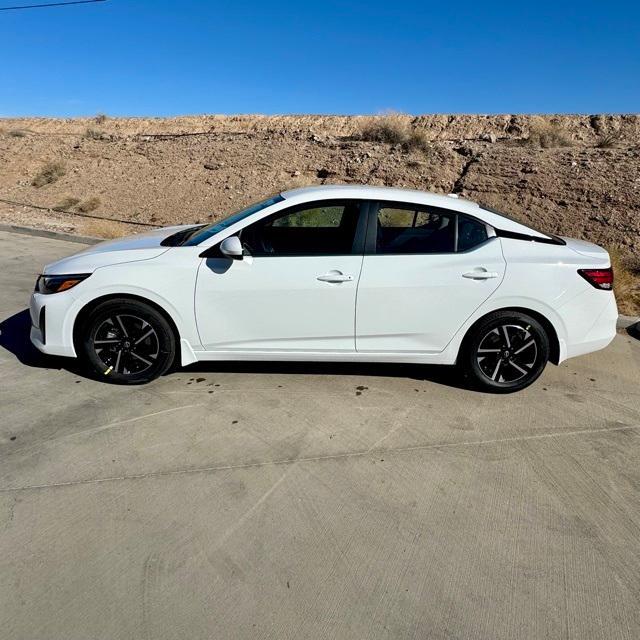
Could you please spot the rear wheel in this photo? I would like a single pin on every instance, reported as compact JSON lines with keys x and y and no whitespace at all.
{"x":505,"y":352}
{"x":126,"y":341}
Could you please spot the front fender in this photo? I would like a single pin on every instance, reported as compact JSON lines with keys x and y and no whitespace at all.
{"x":171,"y":288}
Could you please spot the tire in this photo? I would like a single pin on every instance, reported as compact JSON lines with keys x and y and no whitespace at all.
{"x":126,"y":341}
{"x":505,"y":352}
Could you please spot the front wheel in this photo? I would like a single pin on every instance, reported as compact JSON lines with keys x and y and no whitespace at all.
{"x":506,"y":351}
{"x":126,"y":341}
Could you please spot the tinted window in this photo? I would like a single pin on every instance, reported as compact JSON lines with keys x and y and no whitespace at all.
{"x":413,"y":229}
{"x":326,"y":228}
{"x":470,"y":233}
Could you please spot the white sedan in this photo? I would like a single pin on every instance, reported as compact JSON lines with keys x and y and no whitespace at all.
{"x":332,"y":273}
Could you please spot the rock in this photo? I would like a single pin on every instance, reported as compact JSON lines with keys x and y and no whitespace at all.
{"x":489,"y":137}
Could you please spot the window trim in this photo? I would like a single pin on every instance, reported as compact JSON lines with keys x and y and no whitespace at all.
{"x":370,"y":248}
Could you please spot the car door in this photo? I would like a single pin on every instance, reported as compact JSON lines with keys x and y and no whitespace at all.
{"x":424,"y":273}
{"x":295,"y":288}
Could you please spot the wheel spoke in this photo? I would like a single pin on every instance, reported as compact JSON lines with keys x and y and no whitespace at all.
{"x":506,"y":335}
{"x":135,"y":355}
{"x":109,"y":341}
{"x":146,"y":335}
{"x":115,"y":368}
{"x":495,"y":371}
{"x":522,"y":348}
{"x":519,"y":368}
{"x":488,"y":350}
{"x":119,"y":319}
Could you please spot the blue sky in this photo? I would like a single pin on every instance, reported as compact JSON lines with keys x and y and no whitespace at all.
{"x":123,"y":57}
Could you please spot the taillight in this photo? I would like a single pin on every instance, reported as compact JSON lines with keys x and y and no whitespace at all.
{"x":599,"y":278}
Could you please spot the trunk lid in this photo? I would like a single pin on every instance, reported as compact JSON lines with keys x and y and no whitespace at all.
{"x":587,"y":249}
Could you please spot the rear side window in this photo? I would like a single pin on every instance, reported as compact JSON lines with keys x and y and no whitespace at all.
{"x":414,"y":229}
{"x":470,"y":233}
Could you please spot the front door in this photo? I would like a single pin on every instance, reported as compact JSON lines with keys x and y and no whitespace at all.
{"x":295,"y":288}
{"x":426,"y":272}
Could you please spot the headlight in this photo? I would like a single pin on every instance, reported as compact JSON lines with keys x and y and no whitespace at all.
{"x":56,"y":284}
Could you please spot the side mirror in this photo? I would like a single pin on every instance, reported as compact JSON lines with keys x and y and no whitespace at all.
{"x":231,"y":247}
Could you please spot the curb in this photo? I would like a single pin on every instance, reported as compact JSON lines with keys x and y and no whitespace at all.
{"x":55,"y":235}
{"x":628,"y":322}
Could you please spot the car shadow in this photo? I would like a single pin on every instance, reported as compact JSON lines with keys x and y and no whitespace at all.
{"x":14,"y":337}
{"x":634,"y":330}
{"x":445,"y":375}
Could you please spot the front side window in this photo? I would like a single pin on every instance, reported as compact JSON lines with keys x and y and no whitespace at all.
{"x":325,"y":228}
{"x":414,"y":229}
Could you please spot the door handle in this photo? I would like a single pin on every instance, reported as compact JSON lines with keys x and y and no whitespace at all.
{"x":480,"y":274}
{"x":334,"y":276}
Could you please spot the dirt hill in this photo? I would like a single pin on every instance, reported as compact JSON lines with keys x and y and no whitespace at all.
{"x":570,"y":175}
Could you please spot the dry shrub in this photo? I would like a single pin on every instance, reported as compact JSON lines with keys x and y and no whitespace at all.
{"x":66,"y":203}
{"x":390,"y":129}
{"x":16,"y":133}
{"x":547,"y":135}
{"x":393,"y":128}
{"x":50,"y":173}
{"x":100,"y":118}
{"x":626,"y":282}
{"x":418,"y":139}
{"x":93,"y":134}
{"x":101,"y":228}
{"x":90,"y":204}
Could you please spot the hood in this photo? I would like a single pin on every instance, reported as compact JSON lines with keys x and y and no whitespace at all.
{"x":142,"y":246}
{"x":588,"y":249}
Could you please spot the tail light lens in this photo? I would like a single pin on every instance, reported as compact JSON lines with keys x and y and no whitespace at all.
{"x":599,"y":278}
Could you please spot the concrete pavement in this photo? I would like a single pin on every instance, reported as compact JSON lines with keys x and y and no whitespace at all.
{"x":324,"y":501}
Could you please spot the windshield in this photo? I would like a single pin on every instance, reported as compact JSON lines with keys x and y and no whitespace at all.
{"x":200,"y":234}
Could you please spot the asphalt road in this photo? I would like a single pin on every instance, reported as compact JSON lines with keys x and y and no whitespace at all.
{"x":297,"y":501}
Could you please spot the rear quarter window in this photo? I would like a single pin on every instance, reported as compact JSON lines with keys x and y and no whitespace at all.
{"x":471,"y":233}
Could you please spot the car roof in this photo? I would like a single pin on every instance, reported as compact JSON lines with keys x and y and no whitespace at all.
{"x":322,"y":192}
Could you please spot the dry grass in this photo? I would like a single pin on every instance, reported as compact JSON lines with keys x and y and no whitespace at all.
{"x":50,"y":173}
{"x":547,"y":135}
{"x":626,"y":282}
{"x":609,"y":140}
{"x":66,"y":203}
{"x":394,"y":128}
{"x":90,"y":204}
{"x":100,"y":228}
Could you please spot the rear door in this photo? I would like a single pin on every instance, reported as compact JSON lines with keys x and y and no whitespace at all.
{"x":294,"y":290}
{"x":425,"y":271}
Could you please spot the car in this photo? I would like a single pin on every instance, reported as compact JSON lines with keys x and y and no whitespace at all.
{"x":332,"y":273}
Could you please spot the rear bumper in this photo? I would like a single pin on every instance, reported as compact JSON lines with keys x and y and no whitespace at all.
{"x":590,"y":332}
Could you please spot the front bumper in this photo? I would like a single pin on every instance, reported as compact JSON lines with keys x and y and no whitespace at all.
{"x":49,"y":333}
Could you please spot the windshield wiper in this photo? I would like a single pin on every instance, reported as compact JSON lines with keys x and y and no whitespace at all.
{"x":180,"y":237}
